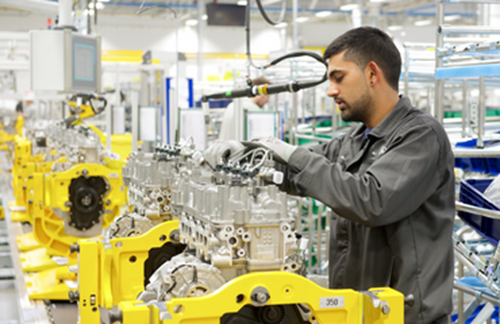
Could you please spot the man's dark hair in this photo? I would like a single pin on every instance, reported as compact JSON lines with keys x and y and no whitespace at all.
{"x":19,"y":107}
{"x":366,"y":44}
{"x":260,"y":81}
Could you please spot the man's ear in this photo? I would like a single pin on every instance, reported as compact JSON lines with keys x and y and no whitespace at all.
{"x":373,"y":73}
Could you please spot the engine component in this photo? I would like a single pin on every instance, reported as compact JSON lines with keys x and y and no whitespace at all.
{"x":234,"y":226}
{"x":129,"y":225}
{"x":86,"y":201}
{"x":183,"y":276}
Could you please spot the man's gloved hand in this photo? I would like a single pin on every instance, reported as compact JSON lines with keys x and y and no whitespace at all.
{"x":281,"y":150}
{"x":221,"y":150}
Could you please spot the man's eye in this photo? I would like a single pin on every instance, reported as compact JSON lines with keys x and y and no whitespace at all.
{"x":339,"y":78}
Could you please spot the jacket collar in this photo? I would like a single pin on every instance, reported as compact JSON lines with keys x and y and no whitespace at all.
{"x":390,"y":121}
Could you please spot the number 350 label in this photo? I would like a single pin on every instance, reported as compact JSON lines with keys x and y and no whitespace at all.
{"x":331,"y":302}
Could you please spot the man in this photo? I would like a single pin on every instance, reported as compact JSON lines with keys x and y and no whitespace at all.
{"x":389,"y":180}
{"x":228,"y":127}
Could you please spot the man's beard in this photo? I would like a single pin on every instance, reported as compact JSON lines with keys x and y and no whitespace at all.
{"x":358,"y":110}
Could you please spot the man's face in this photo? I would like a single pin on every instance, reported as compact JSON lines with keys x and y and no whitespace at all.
{"x":349,"y":88}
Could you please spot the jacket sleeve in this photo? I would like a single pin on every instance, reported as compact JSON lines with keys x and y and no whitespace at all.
{"x":328,"y":150}
{"x":393,"y":187}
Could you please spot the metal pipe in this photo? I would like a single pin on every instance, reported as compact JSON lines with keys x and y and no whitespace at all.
{"x":477,"y":210}
{"x":465,"y":118}
{"x":200,"y":7}
{"x":471,"y":63}
{"x":319,"y":236}
{"x":109,"y":127}
{"x":471,"y":1}
{"x":482,"y":113}
{"x":135,"y":119}
{"x":473,"y":292}
{"x":310,"y":226}
{"x":438,"y":110}
{"x":65,"y":13}
{"x":460,"y":296}
{"x":470,"y":153}
{"x":446,"y":29}
{"x":295,"y":13}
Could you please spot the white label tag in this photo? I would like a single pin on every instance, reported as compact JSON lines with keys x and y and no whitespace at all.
{"x":113,"y":175}
{"x":331,"y":302}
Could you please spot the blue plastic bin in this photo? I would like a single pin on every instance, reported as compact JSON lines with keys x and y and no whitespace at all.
{"x":471,"y":193}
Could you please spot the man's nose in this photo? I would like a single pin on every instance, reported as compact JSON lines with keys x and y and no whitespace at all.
{"x":333,"y":91}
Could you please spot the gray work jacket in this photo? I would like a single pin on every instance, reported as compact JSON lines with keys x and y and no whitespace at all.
{"x":394,"y":195}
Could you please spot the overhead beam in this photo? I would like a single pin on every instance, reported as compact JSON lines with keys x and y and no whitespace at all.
{"x":408,"y":5}
{"x":313,"y":4}
{"x":42,"y":6}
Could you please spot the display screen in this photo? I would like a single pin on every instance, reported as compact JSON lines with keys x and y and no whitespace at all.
{"x":225,"y":15}
{"x":84,"y":63}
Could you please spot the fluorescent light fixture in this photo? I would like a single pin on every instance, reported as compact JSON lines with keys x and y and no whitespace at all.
{"x":104,"y":0}
{"x":281,"y":25}
{"x":204,"y":17}
{"x":302,"y":19}
{"x":98,"y":5}
{"x":191,"y":22}
{"x":395,"y":27}
{"x":322,"y":14}
{"x":349,"y":7}
{"x":452,"y":17}
{"x":423,"y":22}
{"x":241,"y":3}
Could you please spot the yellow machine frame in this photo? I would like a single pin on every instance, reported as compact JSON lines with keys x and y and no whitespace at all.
{"x":48,"y":229}
{"x":52,"y":192}
{"x":326,"y":305}
{"x":110,"y":273}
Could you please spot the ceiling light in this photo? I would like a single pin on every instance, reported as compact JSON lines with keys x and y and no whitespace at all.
{"x":452,"y":17}
{"x":204,"y":17}
{"x":281,"y":25}
{"x":104,"y":0}
{"x":423,"y":22}
{"x":91,"y":5}
{"x":322,"y":14}
{"x":302,"y":19}
{"x":99,"y":5}
{"x":349,"y":7}
{"x":241,"y":3}
{"x":191,"y":22}
{"x":395,"y":27}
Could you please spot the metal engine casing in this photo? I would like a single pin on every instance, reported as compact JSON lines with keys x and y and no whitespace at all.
{"x":231,"y":230}
{"x":150,"y":178}
{"x":237,"y":227}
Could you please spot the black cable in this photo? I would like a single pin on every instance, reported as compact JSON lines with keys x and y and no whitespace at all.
{"x":247,"y":27}
{"x":266,"y":17}
{"x":142,"y":9}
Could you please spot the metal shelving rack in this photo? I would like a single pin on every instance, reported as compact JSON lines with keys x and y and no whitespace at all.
{"x":475,"y":61}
